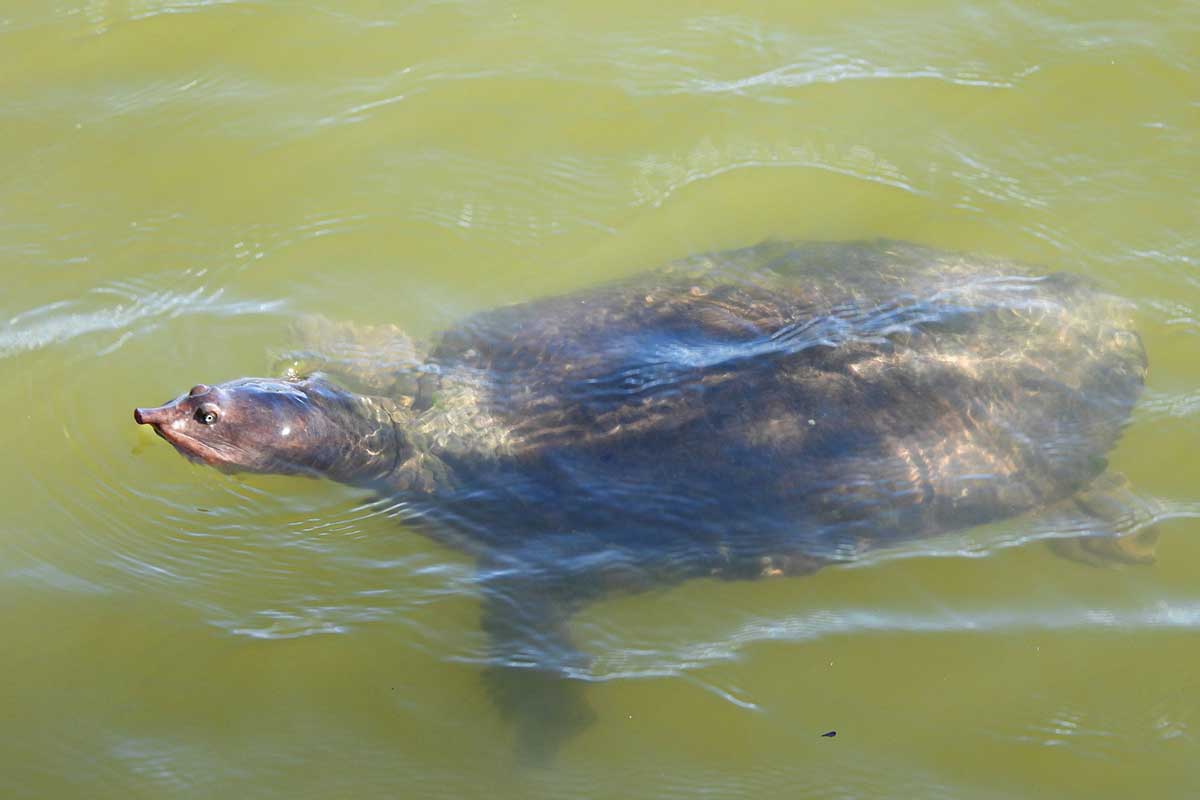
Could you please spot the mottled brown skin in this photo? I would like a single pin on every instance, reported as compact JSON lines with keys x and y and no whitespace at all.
{"x":741,"y":414}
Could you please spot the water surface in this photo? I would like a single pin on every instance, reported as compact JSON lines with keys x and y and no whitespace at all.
{"x":181,"y":179}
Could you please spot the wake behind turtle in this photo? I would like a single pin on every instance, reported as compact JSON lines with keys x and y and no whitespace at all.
{"x":751,"y":413}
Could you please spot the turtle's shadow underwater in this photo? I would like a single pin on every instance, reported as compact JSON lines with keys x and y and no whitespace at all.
{"x":741,"y":415}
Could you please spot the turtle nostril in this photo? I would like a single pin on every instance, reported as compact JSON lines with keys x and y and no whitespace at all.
{"x":198,"y":390}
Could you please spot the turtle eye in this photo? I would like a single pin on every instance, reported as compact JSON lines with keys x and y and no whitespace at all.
{"x":206,"y":415}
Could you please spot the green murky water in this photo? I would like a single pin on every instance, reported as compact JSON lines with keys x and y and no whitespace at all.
{"x":181,"y":178}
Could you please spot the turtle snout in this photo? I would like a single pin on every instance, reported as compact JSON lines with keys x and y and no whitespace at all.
{"x":151,"y":416}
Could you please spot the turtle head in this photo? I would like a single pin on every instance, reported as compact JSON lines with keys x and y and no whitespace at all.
{"x":290,"y":427}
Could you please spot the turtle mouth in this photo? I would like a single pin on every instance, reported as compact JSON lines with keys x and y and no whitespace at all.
{"x":193,"y":450}
{"x":187,"y":446}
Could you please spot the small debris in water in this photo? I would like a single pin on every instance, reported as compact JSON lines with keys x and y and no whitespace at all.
{"x":829,"y":734}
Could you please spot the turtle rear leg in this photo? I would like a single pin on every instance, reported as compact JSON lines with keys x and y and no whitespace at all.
{"x":1124,"y":530}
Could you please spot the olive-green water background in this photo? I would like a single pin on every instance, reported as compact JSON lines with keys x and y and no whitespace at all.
{"x":179,"y":179}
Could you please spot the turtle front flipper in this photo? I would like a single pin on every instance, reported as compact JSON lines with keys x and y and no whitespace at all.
{"x":531,"y":661}
{"x":1124,"y":531}
{"x":369,"y":359}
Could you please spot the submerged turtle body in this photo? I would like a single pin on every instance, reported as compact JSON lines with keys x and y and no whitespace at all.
{"x":782,"y":404}
{"x":807,"y":400}
{"x":746,"y":413}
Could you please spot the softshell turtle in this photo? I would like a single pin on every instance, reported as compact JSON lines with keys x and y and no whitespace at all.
{"x":741,"y":414}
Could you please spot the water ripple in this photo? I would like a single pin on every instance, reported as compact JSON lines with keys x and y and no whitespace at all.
{"x":661,"y":177}
{"x":990,"y":181}
{"x":125,"y":307}
{"x":524,"y":202}
{"x":1170,"y":404}
{"x":848,"y":69}
{"x":621,"y":663}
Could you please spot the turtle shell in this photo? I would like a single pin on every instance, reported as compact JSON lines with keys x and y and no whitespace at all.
{"x":812,"y":398}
